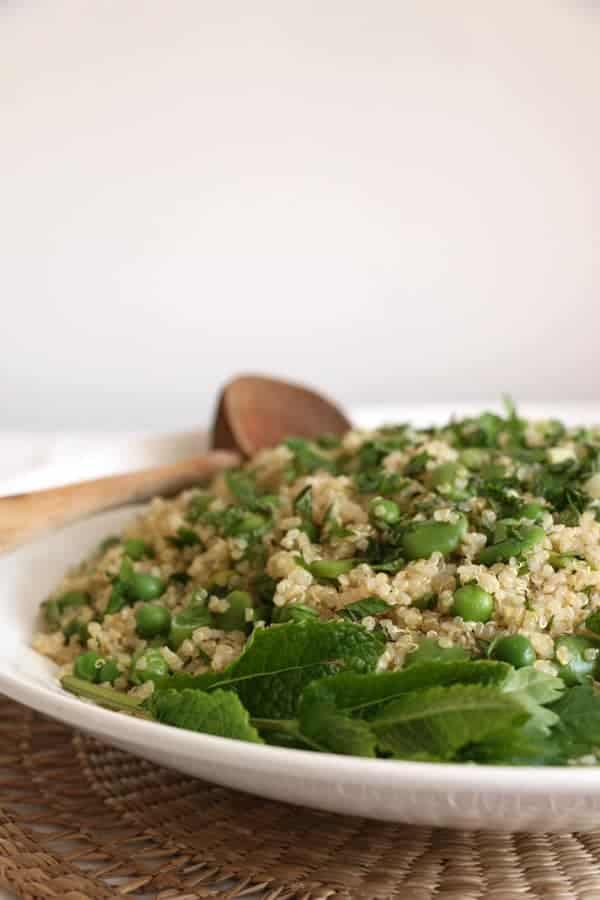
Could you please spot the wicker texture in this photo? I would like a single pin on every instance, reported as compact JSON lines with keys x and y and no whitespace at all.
{"x":81,"y":820}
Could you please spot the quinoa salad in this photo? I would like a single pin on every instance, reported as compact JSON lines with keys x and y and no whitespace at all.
{"x":420,"y":594}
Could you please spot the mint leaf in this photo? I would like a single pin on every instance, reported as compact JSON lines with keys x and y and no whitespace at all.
{"x":518,"y":747}
{"x":220,"y":713}
{"x":327,"y":705}
{"x":365,"y":694}
{"x":332,"y":731}
{"x":370,"y":606}
{"x":284,"y":733}
{"x":278,"y":662}
{"x":442,"y":720}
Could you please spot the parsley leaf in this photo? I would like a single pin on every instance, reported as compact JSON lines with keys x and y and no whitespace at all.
{"x":535,"y":690}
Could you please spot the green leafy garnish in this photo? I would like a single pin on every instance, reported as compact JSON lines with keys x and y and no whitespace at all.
{"x":279,"y":662}
{"x":185,"y":537}
{"x":430,"y":651}
{"x":303,"y":508}
{"x":370,"y":606}
{"x":219,"y":713}
{"x":308,"y":675}
{"x":306,"y":459}
{"x":442,"y":720}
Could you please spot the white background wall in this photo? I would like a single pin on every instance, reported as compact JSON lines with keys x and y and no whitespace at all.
{"x":392,"y":200}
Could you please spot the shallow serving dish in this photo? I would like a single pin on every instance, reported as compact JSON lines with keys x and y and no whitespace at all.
{"x":465,"y":796}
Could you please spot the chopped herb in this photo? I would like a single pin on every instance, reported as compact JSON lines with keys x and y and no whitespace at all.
{"x":184,"y":537}
{"x":303,"y":508}
{"x":370,"y":606}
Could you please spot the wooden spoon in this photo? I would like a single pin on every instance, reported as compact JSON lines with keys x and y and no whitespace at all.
{"x":252,"y":413}
{"x":255,"y":412}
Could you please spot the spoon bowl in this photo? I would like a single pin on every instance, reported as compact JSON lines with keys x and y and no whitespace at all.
{"x":255,"y":412}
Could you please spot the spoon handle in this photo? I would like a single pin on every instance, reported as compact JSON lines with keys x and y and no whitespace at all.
{"x":23,"y":516}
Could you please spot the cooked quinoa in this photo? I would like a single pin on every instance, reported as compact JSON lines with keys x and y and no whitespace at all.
{"x":403,"y":515}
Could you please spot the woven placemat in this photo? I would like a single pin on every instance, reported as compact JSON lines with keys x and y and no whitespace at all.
{"x":80,"y":820}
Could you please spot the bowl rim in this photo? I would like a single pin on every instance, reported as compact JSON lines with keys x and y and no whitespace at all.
{"x":302,"y":763}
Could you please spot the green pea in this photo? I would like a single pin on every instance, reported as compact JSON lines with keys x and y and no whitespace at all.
{"x":149,"y":666}
{"x":136,"y":548}
{"x":504,"y":550}
{"x":383,"y":511}
{"x":592,"y":623}
{"x":185,"y":623}
{"x":86,"y":666}
{"x":445,"y":475}
{"x":152,"y":620}
{"x":144,"y":586}
{"x":535,"y":512}
{"x":330,"y":568}
{"x":514,"y":649}
{"x":109,"y":672}
{"x":424,"y":538}
{"x":234,"y":618}
{"x":578,"y":668}
{"x":473,"y":604}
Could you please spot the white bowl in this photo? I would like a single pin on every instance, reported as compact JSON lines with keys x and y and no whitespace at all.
{"x":466,"y":796}
{"x":456,"y":796}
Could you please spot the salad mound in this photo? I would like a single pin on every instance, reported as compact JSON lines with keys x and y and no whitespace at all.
{"x":424,"y":594}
